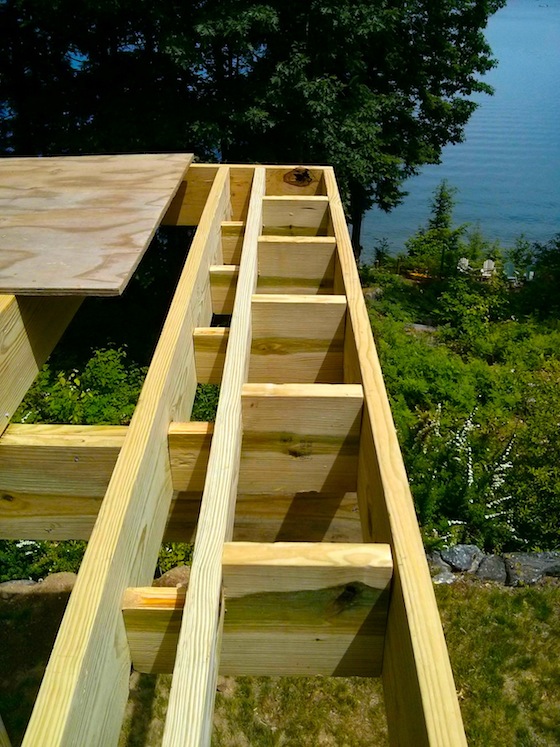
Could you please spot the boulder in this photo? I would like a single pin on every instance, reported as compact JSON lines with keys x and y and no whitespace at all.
{"x":436,"y":563}
{"x":57,"y":583}
{"x":492,"y":568}
{"x":176,"y":577}
{"x":525,"y":568}
{"x":463,"y":557}
{"x":20,"y":586}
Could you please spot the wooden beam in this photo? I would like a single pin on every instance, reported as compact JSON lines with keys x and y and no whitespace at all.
{"x":421,"y":702}
{"x":189,"y":451}
{"x":241,"y":185}
{"x":267,"y":517}
{"x":232,"y":241}
{"x":188,"y":204}
{"x":85,"y":687}
{"x":270,"y":517}
{"x":300,"y":437}
{"x":29,"y":329}
{"x":78,"y":460}
{"x":210,"y":345}
{"x":223,"y":282}
{"x":4,"y":738}
{"x":191,"y":700}
{"x":296,"y":216}
{"x":294,"y":180}
{"x":84,"y":460}
{"x":59,"y":459}
{"x":296,"y":264}
{"x":291,"y":609}
{"x":297,"y":339}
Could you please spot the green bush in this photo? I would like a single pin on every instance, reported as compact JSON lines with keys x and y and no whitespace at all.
{"x":476,"y":407}
{"x":104,"y":392}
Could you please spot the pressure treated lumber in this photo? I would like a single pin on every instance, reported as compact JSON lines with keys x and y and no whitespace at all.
{"x":189,"y":450}
{"x":80,"y":225}
{"x":78,"y":462}
{"x":232,"y":241}
{"x":63,"y":459}
{"x":210,"y":345}
{"x":297,"y":339}
{"x":85,"y":687}
{"x":294,"y":180}
{"x":296,"y":264}
{"x":420,"y":697}
{"x":296,"y":216}
{"x":29,"y":330}
{"x":295,"y":517}
{"x":191,"y":699}
{"x":188,"y":204}
{"x":223,"y":282}
{"x":4,"y":738}
{"x":300,"y":437}
{"x":291,"y":609}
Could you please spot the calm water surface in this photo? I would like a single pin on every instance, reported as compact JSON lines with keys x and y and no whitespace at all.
{"x":507,"y":171}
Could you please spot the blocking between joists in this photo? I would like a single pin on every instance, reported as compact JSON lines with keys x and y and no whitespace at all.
{"x":295,"y":339}
{"x":297,"y":438}
{"x":290,"y":609}
{"x":286,"y":264}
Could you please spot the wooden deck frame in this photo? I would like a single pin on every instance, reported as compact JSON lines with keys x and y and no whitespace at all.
{"x":281,"y":230}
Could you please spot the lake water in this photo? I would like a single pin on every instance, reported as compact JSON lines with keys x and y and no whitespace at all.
{"x":507,"y":171}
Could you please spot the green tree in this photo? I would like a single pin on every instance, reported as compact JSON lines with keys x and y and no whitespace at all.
{"x":436,"y":248}
{"x":376,"y":89}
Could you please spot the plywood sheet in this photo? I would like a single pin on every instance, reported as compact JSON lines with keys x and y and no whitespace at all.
{"x":80,"y":225}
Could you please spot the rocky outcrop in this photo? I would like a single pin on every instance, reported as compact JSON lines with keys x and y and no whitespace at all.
{"x":510,"y":569}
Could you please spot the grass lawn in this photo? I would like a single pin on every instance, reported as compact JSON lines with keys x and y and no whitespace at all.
{"x":505,"y":651}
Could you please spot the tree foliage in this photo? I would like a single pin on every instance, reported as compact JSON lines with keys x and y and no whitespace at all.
{"x":376,"y":89}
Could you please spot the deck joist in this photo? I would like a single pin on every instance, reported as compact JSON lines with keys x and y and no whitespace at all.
{"x":308,"y":558}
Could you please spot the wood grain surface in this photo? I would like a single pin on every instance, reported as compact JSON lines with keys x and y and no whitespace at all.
{"x":80,"y":225}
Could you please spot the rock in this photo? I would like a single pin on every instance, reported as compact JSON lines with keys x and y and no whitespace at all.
{"x":371,"y":294}
{"x":445,"y":577}
{"x":463,"y":557}
{"x":525,"y":568}
{"x":427,"y":328}
{"x":20,"y":586}
{"x":436,"y":563}
{"x":57,"y":583}
{"x":176,"y":577}
{"x":492,"y":568}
